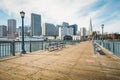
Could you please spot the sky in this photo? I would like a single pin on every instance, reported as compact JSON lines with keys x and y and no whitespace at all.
{"x":78,"y":12}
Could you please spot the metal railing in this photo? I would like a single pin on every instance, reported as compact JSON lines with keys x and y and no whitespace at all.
{"x":112,"y":46}
{"x":11,"y":48}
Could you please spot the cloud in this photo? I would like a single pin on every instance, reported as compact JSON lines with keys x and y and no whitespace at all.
{"x":103,"y":12}
{"x":57,"y":11}
{"x":51,"y":10}
{"x":88,"y":9}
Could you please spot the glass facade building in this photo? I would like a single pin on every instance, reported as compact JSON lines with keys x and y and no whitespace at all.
{"x":11,"y":26}
{"x":35,"y":24}
{"x":49,"y":29}
{"x":3,"y":30}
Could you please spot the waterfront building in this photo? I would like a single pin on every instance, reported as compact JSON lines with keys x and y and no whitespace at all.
{"x":36,"y":29}
{"x":65,"y":24}
{"x":3,"y":30}
{"x":26,"y":30}
{"x":60,"y":32}
{"x":11,"y":27}
{"x":49,"y":29}
{"x":65,"y":30}
{"x":75,"y":28}
{"x":83,"y":31}
{"x":70,"y":31}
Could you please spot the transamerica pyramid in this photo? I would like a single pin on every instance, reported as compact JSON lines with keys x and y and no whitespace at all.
{"x":90,"y":27}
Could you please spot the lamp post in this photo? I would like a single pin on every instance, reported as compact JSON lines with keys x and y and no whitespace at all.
{"x":102,"y":30}
{"x":22,"y":16}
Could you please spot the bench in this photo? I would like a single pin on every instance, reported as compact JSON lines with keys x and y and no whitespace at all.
{"x":55,"y":46}
{"x":62,"y":45}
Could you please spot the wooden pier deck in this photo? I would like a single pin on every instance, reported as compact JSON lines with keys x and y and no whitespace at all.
{"x":75,"y":62}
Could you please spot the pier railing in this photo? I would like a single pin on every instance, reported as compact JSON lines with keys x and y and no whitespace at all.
{"x":11,"y":48}
{"x":113,"y":46}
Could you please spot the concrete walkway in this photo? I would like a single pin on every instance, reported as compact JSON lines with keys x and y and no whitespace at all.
{"x":75,"y":62}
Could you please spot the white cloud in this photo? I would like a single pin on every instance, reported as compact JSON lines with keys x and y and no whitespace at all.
{"x":112,"y":26}
{"x":54,"y":11}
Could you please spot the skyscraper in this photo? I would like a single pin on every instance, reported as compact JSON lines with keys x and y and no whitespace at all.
{"x":70,"y":30}
{"x":35,"y":24}
{"x":26,"y":30}
{"x":90,"y":27}
{"x":75,"y":27}
{"x":65,"y":24}
{"x":49,"y":29}
{"x":3,"y":30}
{"x":60,"y":30}
{"x":83,"y":31}
{"x":11,"y":26}
{"x":65,"y":28}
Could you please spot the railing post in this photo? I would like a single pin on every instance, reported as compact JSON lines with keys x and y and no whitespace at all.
{"x":118,"y":49}
{"x":0,"y":50}
{"x":30,"y":46}
{"x":13,"y":48}
{"x":93,"y":47}
{"x":42,"y":45}
{"x":113,"y":48}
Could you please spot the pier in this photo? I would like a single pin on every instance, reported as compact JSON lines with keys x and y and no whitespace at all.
{"x":74,"y":62}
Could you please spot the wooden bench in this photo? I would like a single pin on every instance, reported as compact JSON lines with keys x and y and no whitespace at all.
{"x":62,"y":45}
{"x":54,"y":46}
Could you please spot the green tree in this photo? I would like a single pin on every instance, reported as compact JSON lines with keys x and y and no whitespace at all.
{"x":94,"y":34}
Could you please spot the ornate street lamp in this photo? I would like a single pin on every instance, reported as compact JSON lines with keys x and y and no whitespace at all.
{"x":22,"y":16}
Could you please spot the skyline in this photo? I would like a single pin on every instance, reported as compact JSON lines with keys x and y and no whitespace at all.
{"x":72,"y":11}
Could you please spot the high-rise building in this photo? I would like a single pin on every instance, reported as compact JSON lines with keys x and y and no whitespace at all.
{"x":75,"y":28}
{"x":3,"y":30}
{"x":90,"y":27}
{"x":83,"y":31}
{"x":65,"y":24}
{"x":60,"y":31}
{"x":70,"y":30}
{"x":36,"y":24}
{"x":26,"y":30}
{"x":11,"y":26}
{"x":65,"y":30}
{"x":49,"y":29}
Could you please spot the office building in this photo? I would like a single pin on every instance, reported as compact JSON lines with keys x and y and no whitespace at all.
{"x":36,"y":24}
{"x":65,"y":24}
{"x":11,"y":27}
{"x":3,"y":30}
{"x":70,"y":30}
{"x":60,"y":31}
{"x":75,"y":28}
{"x":65,"y":30}
{"x":49,"y":29}
{"x":83,"y":31}
{"x":26,"y":30}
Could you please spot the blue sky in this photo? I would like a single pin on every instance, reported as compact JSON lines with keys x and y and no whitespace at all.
{"x":72,"y":11}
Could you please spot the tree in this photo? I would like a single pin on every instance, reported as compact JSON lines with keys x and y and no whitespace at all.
{"x":94,"y":34}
